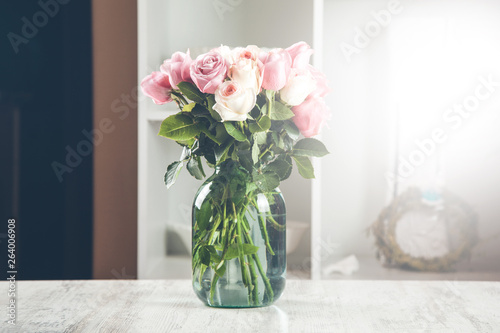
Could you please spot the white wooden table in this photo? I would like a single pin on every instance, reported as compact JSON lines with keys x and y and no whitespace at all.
{"x":306,"y":306}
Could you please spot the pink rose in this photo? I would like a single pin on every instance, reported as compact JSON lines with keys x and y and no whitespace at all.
{"x":178,"y":68}
{"x":300,"y":53}
{"x":157,"y":86}
{"x":321,"y":82}
{"x":276,"y":70}
{"x":310,"y":116}
{"x":208,"y":71}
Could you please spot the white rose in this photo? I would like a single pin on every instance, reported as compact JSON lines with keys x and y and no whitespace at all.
{"x":247,"y":73}
{"x":233,"y":103}
{"x":300,"y":84}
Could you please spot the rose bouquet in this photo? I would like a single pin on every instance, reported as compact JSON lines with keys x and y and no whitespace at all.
{"x":249,"y":114}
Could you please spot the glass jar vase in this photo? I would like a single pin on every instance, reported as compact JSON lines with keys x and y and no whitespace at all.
{"x":239,"y":241}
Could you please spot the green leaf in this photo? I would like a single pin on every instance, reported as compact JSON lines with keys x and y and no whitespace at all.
{"x":244,"y":145}
{"x":255,"y":152}
{"x":264,"y":109}
{"x":195,"y":168}
{"x":213,"y":113}
{"x":260,"y":138}
{"x":190,"y":91}
{"x":188,"y":107}
{"x":187,"y":143}
{"x":245,"y":158}
{"x":234,"y":132}
{"x":267,"y":181}
{"x":280,"y":112}
{"x":204,"y":256}
{"x":211,"y":249}
{"x":309,"y":147}
{"x":172,"y":173}
{"x":201,"y":111}
{"x":221,"y":133}
{"x":220,"y":269}
{"x":210,"y":135}
{"x":262,"y":125}
{"x":304,"y":166}
{"x":250,"y":188}
{"x":281,"y":167}
{"x":232,"y":252}
{"x":214,"y":256}
{"x":292,"y":130}
{"x":179,"y":127}
{"x":249,"y":249}
{"x":203,"y":215}
{"x":221,"y":151}
{"x":278,"y":140}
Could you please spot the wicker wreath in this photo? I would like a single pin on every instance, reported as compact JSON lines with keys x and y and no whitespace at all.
{"x":452,"y":209}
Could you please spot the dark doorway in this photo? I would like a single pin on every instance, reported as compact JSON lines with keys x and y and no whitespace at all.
{"x":45,"y":106}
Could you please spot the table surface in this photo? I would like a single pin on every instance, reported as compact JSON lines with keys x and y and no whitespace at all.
{"x":306,"y":306}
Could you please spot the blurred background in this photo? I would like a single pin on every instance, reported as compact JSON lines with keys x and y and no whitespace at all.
{"x":415,"y":109}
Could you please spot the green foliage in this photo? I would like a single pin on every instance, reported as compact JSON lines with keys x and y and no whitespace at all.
{"x":309,"y":147}
{"x":261,"y":125}
{"x":203,"y":215}
{"x":281,"y":167}
{"x":292,"y":130}
{"x":263,"y":145}
{"x":255,"y":152}
{"x":304,"y":166}
{"x":190,"y":91}
{"x":280,"y":112}
{"x":179,"y":127}
{"x":266,"y":181}
{"x":234,"y":132}
{"x":195,"y":168}
{"x":172,"y":173}
{"x":188,"y":107}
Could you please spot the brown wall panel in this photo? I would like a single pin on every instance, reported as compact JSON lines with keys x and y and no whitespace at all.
{"x":115,"y":126}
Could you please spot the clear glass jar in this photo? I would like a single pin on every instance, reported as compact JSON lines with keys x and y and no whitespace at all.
{"x":239,"y":243}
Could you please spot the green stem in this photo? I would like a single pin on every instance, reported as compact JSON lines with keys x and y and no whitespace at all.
{"x":225,"y":243}
{"x":214,"y":229}
{"x":276,"y":225}
{"x":245,"y":275}
{"x":267,"y":283}
{"x":263,"y":229}
{"x":265,"y":151}
{"x":253,"y":274}
{"x":212,"y":287}
{"x":269,"y":288}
